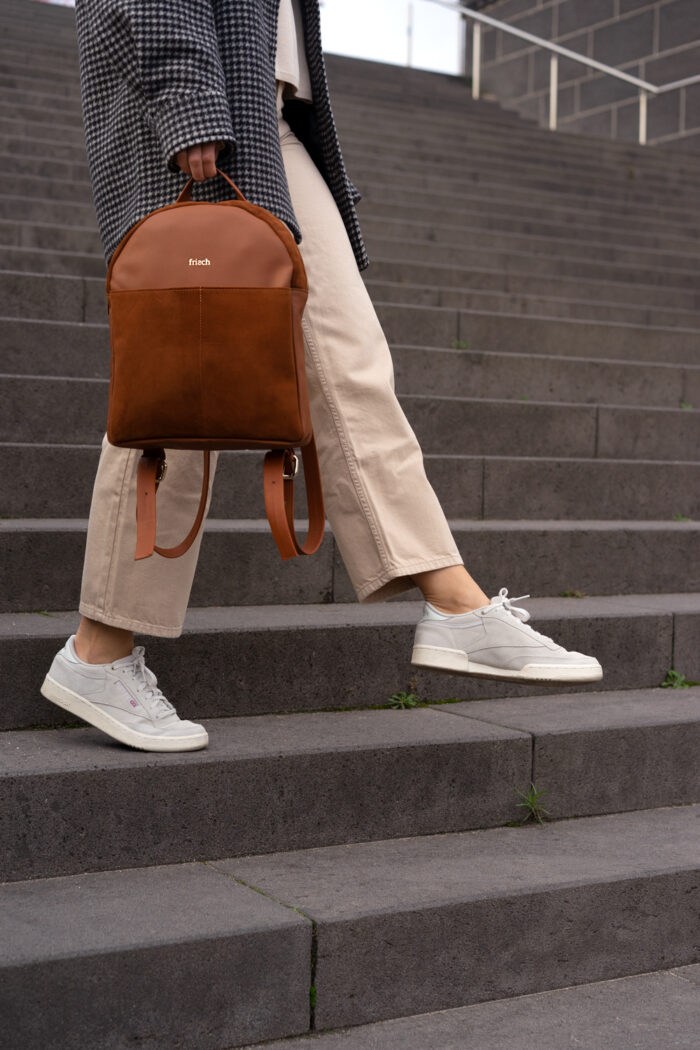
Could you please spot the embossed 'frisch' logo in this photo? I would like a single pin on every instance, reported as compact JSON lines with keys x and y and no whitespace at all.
{"x":200,"y":262}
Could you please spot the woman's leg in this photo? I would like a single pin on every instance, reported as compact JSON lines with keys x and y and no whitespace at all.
{"x":386,"y":519}
{"x":120,"y":595}
{"x":385,"y":516}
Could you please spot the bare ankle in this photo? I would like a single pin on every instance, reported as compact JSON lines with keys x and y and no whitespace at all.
{"x":100,"y":643}
{"x":451,"y":590}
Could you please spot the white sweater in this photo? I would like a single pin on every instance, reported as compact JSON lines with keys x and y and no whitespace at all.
{"x":290,"y":62}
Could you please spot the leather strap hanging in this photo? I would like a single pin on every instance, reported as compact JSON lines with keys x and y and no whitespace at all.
{"x":278,"y":484}
{"x":279,"y":470}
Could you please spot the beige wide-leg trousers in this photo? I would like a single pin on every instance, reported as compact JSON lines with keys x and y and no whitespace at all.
{"x":385,"y":517}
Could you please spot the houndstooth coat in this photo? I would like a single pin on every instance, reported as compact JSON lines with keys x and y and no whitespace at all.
{"x":159,"y":75}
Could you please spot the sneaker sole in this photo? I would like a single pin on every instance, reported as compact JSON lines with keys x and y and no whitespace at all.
{"x":455,"y":661}
{"x":78,"y":705}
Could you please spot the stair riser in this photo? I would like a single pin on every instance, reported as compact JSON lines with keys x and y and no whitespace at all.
{"x":566,"y":247}
{"x":19,"y":203}
{"x":425,"y":181}
{"x":37,"y":231}
{"x":518,"y":377}
{"x":69,"y":297}
{"x":489,"y":138}
{"x":429,"y":326}
{"x":533,"y":305}
{"x":418,"y":274}
{"x":421,"y":127}
{"x":55,"y":481}
{"x":244,"y":568}
{"x":454,"y":772}
{"x":231,"y":968}
{"x":69,"y":144}
{"x":338,"y":667}
{"x":202,"y":808}
{"x":481,"y":203}
{"x":44,"y":236}
{"x":520,"y":151}
{"x":454,"y":955}
{"x":580,"y":231}
{"x":74,"y":412}
{"x":62,"y":88}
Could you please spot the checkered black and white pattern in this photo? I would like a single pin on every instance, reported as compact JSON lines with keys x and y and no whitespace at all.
{"x":159,"y":75}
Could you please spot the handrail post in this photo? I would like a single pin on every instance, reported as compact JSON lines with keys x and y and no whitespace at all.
{"x":643,"y":117}
{"x":553,"y":90}
{"x":463,"y":45}
{"x":476,"y":61}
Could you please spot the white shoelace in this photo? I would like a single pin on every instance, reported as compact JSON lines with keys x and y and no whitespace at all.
{"x":502,"y":601}
{"x":147,"y":686}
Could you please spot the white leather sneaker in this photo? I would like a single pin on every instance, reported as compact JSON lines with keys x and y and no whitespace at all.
{"x":495,"y":641}
{"x":122,"y":699}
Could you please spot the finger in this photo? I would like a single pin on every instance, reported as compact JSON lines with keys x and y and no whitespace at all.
{"x":209,"y":160}
{"x":195,"y":159}
{"x":182,"y":162}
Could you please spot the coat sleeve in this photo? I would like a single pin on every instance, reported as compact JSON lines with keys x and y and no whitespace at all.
{"x":167,"y":53}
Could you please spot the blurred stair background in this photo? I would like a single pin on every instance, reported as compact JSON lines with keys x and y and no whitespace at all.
{"x":328,"y":862}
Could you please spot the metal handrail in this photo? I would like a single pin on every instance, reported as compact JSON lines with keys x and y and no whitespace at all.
{"x":645,"y":87}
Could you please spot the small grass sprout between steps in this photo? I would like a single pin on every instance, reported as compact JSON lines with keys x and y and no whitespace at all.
{"x":573,"y":594}
{"x":679,"y":517}
{"x":402,"y":700}
{"x":676,"y":680}
{"x":531,"y":802}
{"x":460,"y":344}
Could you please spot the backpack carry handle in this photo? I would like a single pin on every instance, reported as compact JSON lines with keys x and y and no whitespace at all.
{"x":186,"y":192}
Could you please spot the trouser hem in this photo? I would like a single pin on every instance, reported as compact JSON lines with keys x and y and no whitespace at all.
{"x":397,"y":579}
{"x":129,"y":623}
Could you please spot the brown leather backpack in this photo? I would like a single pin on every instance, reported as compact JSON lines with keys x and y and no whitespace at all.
{"x":207,"y":352}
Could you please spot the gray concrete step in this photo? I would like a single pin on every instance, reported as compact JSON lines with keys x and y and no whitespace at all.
{"x":430,"y":920}
{"x":490,"y":135}
{"x":589,"y":289}
{"x":418,"y":124}
{"x":643,"y":1012}
{"x":409,"y":258}
{"x":483,"y":289}
{"x":448,"y":234}
{"x":66,"y":344}
{"x":494,"y":162}
{"x":62,"y":410}
{"x":363,"y":169}
{"x":12,"y":80}
{"x":500,"y":332}
{"x":542,"y":304}
{"x":182,"y":954}
{"x":530,"y":162}
{"x":432,"y":370}
{"x":55,"y":481}
{"x":496,"y":194}
{"x":265,"y":931}
{"x":38,"y":236}
{"x":578,"y":228}
{"x":489,"y":156}
{"x":347,"y":655}
{"x":518,"y":203}
{"x":334,"y":776}
{"x":511,"y":201}
{"x":41,"y":560}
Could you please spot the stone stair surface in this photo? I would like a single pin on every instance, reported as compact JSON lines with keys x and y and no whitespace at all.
{"x":540,"y":297}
